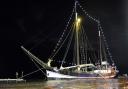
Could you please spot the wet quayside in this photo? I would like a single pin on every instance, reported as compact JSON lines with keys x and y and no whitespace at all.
{"x":70,"y":84}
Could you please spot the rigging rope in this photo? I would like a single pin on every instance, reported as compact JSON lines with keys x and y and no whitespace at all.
{"x":87,"y":41}
{"x":55,"y":50}
{"x":86,"y":13}
{"x":30,"y":73}
{"x":38,"y":67}
{"x":68,"y":45}
{"x":61,"y":45}
{"x":105,"y":42}
{"x":97,"y":21}
{"x":74,"y":54}
{"x":83,"y":46}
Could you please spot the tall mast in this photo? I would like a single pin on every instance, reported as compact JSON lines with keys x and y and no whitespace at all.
{"x":100,"y":47}
{"x":77,"y":21}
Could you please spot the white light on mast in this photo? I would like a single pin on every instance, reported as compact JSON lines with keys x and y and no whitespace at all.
{"x":99,"y":33}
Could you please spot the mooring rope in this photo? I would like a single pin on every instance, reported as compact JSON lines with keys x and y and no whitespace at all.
{"x":30,"y":73}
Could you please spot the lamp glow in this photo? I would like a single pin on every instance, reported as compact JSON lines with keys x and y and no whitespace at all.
{"x":78,"y":20}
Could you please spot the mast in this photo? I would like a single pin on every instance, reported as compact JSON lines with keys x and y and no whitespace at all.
{"x":101,"y":58}
{"x":77,"y":23}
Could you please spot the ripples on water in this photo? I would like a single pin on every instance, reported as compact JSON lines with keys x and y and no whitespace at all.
{"x":70,"y":84}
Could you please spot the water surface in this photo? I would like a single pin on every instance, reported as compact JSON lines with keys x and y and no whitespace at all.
{"x":70,"y":84}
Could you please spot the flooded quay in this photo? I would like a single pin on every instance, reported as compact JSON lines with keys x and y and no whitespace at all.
{"x":69,"y":84}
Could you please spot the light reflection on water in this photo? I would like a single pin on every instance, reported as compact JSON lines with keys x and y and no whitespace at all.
{"x":71,"y":84}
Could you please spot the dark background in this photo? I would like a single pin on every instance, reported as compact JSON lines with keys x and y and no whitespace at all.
{"x":38,"y":23}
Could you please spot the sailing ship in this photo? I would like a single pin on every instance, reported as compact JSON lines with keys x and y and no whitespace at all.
{"x":77,"y":51}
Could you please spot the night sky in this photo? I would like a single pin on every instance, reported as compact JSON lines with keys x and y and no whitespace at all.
{"x":38,"y":24}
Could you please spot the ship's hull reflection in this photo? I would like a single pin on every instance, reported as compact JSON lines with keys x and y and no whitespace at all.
{"x":70,"y":84}
{"x":88,"y":84}
{"x":92,"y":84}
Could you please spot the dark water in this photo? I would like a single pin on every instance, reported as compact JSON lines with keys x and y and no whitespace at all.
{"x":70,"y":84}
